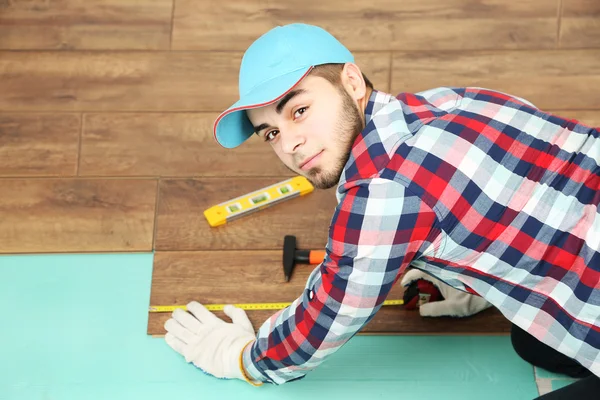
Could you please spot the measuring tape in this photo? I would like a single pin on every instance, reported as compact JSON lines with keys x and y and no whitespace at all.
{"x":257,"y":200}
{"x":247,"y":306}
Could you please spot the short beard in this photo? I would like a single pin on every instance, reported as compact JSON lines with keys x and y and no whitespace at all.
{"x":350,"y":125}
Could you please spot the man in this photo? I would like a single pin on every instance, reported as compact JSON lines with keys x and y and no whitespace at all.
{"x":474,"y":187}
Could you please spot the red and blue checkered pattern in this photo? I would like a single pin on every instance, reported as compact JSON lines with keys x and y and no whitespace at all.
{"x":476,"y":187}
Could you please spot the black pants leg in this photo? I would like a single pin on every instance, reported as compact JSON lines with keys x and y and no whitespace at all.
{"x":541,"y":355}
{"x":584,"y":389}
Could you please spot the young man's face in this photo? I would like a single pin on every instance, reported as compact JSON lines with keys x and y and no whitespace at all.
{"x":312,"y":129}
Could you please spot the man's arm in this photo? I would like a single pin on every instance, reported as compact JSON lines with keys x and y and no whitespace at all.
{"x":377,"y":229}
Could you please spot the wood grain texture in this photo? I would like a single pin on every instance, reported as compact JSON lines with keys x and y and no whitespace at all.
{"x":133,"y":81}
{"x":580,"y":8}
{"x":39,"y":144}
{"x":172,"y":144}
{"x":580,"y":24}
{"x":72,"y":215}
{"x":181,"y":224}
{"x":375,"y":25}
{"x":551,"y":79}
{"x":81,"y":24}
{"x":117,"y":81}
{"x":223,"y":277}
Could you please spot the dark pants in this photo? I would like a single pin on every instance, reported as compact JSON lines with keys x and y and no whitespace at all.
{"x":537,"y":353}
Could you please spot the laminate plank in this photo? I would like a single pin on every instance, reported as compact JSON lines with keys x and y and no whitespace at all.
{"x":222,"y":277}
{"x":580,"y":24}
{"x":580,"y":33}
{"x":117,"y":81}
{"x":181,"y":224}
{"x":76,"y":215}
{"x":375,"y":25}
{"x":81,"y":24}
{"x":133,"y":81}
{"x":168,"y":144}
{"x":550,"y":79}
{"x":39,"y":144}
{"x":580,"y":8}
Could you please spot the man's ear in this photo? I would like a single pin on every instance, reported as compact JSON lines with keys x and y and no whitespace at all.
{"x":352,"y":79}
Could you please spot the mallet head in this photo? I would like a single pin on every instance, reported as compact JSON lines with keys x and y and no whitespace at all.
{"x":289,"y":256}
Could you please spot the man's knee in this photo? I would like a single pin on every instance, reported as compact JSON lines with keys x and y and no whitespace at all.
{"x":541,"y":355}
{"x":523,"y":344}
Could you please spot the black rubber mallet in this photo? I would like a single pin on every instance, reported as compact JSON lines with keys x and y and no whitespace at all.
{"x":293,"y":256}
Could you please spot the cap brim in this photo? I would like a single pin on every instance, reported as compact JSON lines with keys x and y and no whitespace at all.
{"x":232,"y":127}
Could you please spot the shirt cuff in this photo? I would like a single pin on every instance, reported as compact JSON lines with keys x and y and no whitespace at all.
{"x":253,"y":372}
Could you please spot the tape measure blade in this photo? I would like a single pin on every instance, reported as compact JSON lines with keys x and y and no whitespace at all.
{"x":247,"y":306}
{"x":165,"y":308}
{"x":393,"y":302}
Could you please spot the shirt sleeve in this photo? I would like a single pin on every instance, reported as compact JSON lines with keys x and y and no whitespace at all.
{"x":377,"y":229}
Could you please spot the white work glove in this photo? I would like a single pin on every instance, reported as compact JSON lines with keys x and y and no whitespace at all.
{"x":456,"y":303}
{"x":207,"y":341}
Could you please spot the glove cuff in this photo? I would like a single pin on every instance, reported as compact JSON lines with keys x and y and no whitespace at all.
{"x":243,"y":371}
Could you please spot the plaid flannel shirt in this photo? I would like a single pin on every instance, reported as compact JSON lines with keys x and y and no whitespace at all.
{"x":475,"y":187}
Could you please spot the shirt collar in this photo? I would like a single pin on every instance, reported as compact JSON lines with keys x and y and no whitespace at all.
{"x":376,"y":102}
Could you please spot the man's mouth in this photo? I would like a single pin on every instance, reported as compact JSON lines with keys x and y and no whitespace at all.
{"x":309,"y":162}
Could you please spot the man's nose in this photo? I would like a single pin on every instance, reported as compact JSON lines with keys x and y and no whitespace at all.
{"x":291,"y":140}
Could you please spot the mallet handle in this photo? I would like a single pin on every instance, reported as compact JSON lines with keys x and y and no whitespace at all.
{"x":316,"y":256}
{"x":310,"y":256}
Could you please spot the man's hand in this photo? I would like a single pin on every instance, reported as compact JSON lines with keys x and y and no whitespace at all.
{"x":456,"y":303}
{"x":208,"y":342}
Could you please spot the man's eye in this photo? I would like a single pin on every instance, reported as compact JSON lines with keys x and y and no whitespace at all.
{"x":270,"y":135}
{"x":301,"y":110}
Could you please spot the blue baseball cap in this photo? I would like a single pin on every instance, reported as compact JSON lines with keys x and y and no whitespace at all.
{"x":272,"y":65}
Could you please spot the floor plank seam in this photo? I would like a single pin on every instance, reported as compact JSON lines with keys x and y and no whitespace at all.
{"x":172,"y":24}
{"x":79,"y":145}
{"x":559,"y":22}
{"x":356,"y":52}
{"x":156,"y":205}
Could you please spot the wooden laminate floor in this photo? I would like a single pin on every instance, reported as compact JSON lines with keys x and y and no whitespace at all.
{"x":106,"y":112}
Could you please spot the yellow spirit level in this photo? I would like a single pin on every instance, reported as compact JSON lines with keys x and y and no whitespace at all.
{"x":257,"y":200}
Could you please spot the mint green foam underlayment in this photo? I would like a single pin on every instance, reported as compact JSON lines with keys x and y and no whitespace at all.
{"x":74,"y":327}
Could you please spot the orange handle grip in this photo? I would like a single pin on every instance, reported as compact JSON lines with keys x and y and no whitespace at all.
{"x":316,"y":256}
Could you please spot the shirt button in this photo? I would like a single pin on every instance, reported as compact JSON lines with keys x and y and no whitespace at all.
{"x":311,"y":294}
